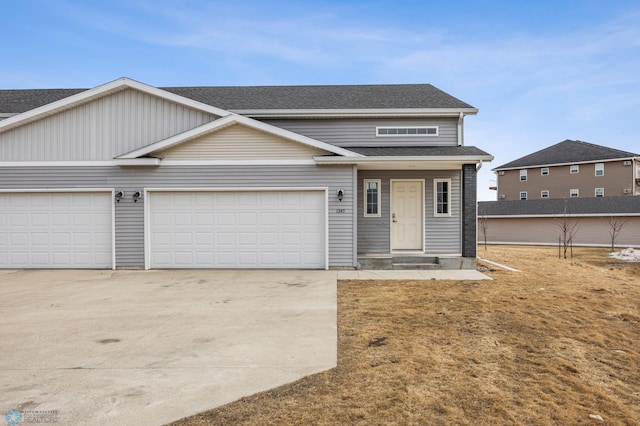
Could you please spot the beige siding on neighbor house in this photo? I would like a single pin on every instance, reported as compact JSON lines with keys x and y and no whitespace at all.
{"x":238,"y":142}
{"x":102,"y":129}
{"x":617,"y":177}
{"x":545,"y":231}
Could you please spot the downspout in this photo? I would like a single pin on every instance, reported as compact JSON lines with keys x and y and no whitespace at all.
{"x":460,"y":134}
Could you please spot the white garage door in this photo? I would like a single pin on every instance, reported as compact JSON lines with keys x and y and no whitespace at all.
{"x":256,"y":229}
{"x":56,"y":230}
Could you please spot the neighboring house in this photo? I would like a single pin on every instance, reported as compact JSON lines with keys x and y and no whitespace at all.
{"x":591,"y":221}
{"x":570,"y":169}
{"x":127,"y":175}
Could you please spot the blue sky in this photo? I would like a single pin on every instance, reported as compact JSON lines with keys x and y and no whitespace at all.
{"x":539,"y":71}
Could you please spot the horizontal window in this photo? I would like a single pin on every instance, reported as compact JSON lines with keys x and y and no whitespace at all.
{"x":544,"y":194}
{"x":407,"y":131}
{"x":544,"y":171}
{"x":599,"y":192}
{"x":574,"y":193}
{"x":574,"y":169}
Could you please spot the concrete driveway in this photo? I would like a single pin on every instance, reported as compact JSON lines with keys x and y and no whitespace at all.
{"x":149,"y":347}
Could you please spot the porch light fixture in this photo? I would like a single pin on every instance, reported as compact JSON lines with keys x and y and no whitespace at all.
{"x":340,"y":194}
{"x":136,"y":196}
{"x":118,"y":196}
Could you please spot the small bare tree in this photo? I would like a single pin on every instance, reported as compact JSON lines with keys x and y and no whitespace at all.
{"x":616,"y":223}
{"x":483,"y":225}
{"x":568,"y":227}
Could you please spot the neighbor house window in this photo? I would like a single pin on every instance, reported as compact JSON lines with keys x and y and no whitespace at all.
{"x":407,"y":131}
{"x":544,"y":171}
{"x":372,"y":197}
{"x":599,"y":169}
{"x":574,"y":193}
{"x":523,"y":175}
{"x":599,"y":192}
{"x":574,"y":169}
{"x":544,"y":194}
{"x":523,"y":195}
{"x":442,"y":199}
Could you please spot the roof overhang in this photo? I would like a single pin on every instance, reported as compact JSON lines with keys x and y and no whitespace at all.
{"x":397,"y":162}
{"x":498,"y":169}
{"x":230,"y":120}
{"x":356,"y":113}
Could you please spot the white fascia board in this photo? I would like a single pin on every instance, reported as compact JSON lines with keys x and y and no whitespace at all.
{"x":563,"y":164}
{"x":397,"y":159}
{"x":136,"y":161}
{"x":88,"y":95}
{"x":363,"y":112}
{"x":228,"y":121}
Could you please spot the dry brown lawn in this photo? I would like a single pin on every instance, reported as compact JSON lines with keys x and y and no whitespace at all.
{"x":557,"y":343}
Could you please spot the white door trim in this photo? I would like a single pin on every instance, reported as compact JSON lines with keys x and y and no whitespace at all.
{"x":422,"y":216}
{"x":112,"y":191}
{"x":147,"y":211}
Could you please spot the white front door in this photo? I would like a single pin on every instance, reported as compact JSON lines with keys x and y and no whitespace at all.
{"x":407,"y":215}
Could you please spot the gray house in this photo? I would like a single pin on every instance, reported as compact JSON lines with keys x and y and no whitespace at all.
{"x":126,"y":175}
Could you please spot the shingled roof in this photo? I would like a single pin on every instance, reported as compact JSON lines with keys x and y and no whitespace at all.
{"x":601,"y":206}
{"x":240,"y":98}
{"x":568,"y":151}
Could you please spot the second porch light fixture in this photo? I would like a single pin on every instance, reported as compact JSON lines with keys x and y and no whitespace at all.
{"x":340,"y":194}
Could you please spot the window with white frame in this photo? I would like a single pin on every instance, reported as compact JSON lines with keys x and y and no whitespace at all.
{"x":574,"y":169}
{"x":574,"y":192}
{"x":544,"y":193}
{"x":599,"y":169}
{"x":372,"y":197}
{"x":407,"y":131}
{"x":544,"y":171}
{"x":442,"y":198}
{"x":523,"y":195}
{"x":523,"y":175}
{"x":599,"y":192}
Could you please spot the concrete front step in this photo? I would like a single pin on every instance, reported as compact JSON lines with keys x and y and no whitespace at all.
{"x":398,"y":263}
{"x":413,"y":266}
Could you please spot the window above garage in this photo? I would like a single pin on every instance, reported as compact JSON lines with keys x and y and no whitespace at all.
{"x":407,"y":131}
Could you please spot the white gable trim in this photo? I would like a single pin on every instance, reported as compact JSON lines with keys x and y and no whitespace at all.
{"x":96,"y":92}
{"x":228,"y":121}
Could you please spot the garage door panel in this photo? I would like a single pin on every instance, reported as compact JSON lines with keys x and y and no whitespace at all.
{"x":56,"y":230}
{"x":237,"y":229}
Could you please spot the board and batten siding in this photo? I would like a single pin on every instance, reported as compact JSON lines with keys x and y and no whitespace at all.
{"x":238,"y":142}
{"x":443,"y":235}
{"x":129,"y":215}
{"x":361,"y":132}
{"x":101,"y":129}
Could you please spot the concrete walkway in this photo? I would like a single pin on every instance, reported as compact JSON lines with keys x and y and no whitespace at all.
{"x":150,"y":347}
{"x":414,"y":275}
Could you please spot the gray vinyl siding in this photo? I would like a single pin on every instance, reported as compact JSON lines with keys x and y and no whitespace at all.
{"x":101,"y":129}
{"x":346,"y":132}
{"x":129,"y":216}
{"x":443,"y":235}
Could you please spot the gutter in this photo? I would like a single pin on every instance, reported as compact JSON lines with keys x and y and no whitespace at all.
{"x":382,"y":159}
{"x":460,"y":134}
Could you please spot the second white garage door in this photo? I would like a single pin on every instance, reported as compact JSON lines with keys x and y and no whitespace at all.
{"x":236,"y":229}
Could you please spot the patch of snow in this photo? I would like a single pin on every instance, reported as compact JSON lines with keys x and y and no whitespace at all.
{"x":627,"y":255}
